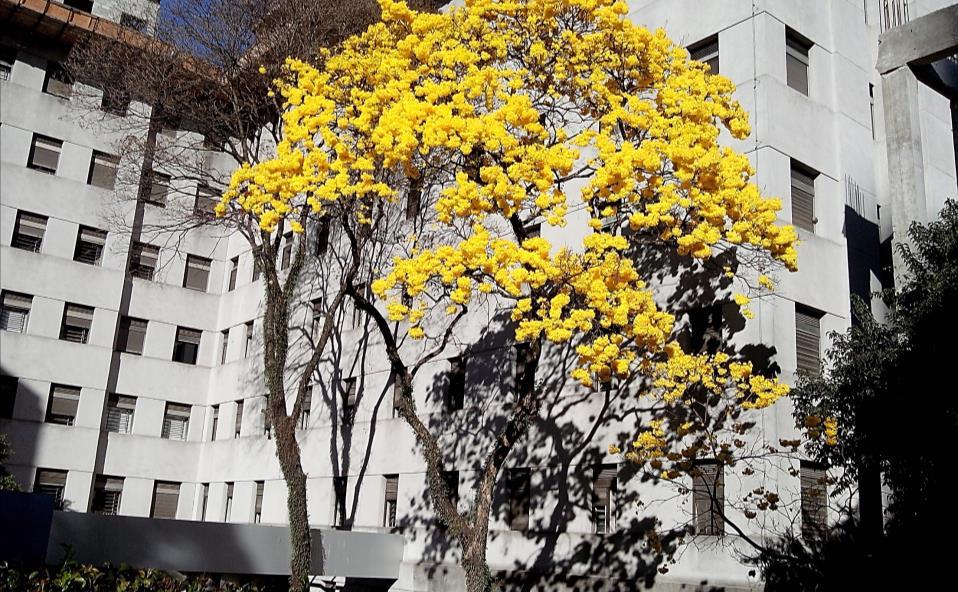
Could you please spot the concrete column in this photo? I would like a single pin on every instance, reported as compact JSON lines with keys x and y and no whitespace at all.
{"x":906,"y":174}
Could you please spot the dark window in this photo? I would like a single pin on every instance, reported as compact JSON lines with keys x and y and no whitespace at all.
{"x":133,"y":22}
{"x":103,"y":170}
{"x":62,"y":408}
{"x":803,"y":196}
{"x":205,"y":204}
{"x":166,"y":495}
{"x":143,"y":260}
{"x":707,"y":51}
{"x":176,"y":422}
{"x":350,"y":393}
{"x":258,"y":508}
{"x":120,"y":411}
{"x":234,"y":268}
{"x":287,"y":250}
{"x":159,"y":189}
{"x":115,"y":101}
{"x":58,"y":81}
{"x":107,"y":492}
{"x":533,"y":230}
{"x":51,"y":482}
{"x":604,"y":487}
{"x":187,"y":345}
{"x":322,"y":237}
{"x":267,"y":422}
{"x":814,"y":500}
{"x":391,"y":500}
{"x":705,"y":328}
{"x":397,"y":396}
{"x":363,"y":290}
{"x":456,"y":393}
{"x":238,"y":420}
{"x":132,"y":335}
{"x":28,"y":232}
{"x":44,"y":154}
{"x":871,"y":107}
{"x":216,"y":421}
{"x":307,"y":409}
{"x":84,"y":5}
{"x":77,"y":321}
{"x":8,"y":395}
{"x":808,"y":339}
{"x":451,"y":480}
{"x":90,"y":245}
{"x":15,"y":311}
{"x":317,"y":310}
{"x":249,"y":339}
{"x":224,"y":346}
{"x":708,"y":498}
{"x":414,"y":199}
{"x":339,"y":501}
{"x":197,"y":275}
{"x":796,"y":61}
{"x":519,"y":482}
{"x":8,"y":57}
{"x":206,"y":500}
{"x":229,"y":502}
{"x":256,"y":270}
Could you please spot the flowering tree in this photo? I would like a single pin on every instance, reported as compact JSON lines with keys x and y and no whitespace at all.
{"x":499,"y":116}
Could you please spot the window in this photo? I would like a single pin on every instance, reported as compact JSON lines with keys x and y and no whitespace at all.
{"x":84,"y":5}
{"x":814,"y":500}
{"x":604,"y":487}
{"x":317,"y":310}
{"x":397,"y":396}
{"x":349,"y":399}
{"x":224,"y":345}
{"x":808,"y":339}
{"x":159,"y":189}
{"x":522,"y":360}
{"x":28,"y":232}
{"x":120,"y":410}
{"x":187,"y":345}
{"x":287,"y":250}
{"x":456,"y":393}
{"x":256,"y":270}
{"x":796,"y":60}
{"x":307,"y":408}
{"x":132,"y":335}
{"x":8,"y":56}
{"x":234,"y":267}
{"x":8,"y":395}
{"x":451,"y":480}
{"x":206,"y":501}
{"x":106,"y":495}
{"x":133,"y":22}
{"x":519,"y":483}
{"x":62,"y":408}
{"x":708,"y":498}
{"x":103,"y":170}
{"x":77,"y":321}
{"x":705,"y":328}
{"x":216,"y":421}
{"x":533,"y":230}
{"x":58,"y":81}
{"x":871,"y":107}
{"x":90,"y":245}
{"x":166,"y":495}
{"x":229,"y":502}
{"x":249,"y":339}
{"x":197,"y":273}
{"x":267,"y":422}
{"x":414,"y":199}
{"x":143,"y":260}
{"x":707,"y":52}
{"x":15,"y":312}
{"x":322,"y":237}
{"x":205,"y":204}
{"x":44,"y":154}
{"x":258,"y":508}
{"x":803,"y":196}
{"x":51,"y":482}
{"x":115,"y":101}
{"x":363,"y":290}
{"x":238,"y":420}
{"x":391,"y":500}
{"x":176,"y":422}
{"x":339,"y":502}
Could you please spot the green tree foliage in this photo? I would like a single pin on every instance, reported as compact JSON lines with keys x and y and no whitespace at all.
{"x":7,"y":482}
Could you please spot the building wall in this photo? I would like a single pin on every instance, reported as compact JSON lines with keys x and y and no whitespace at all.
{"x":830,"y":130}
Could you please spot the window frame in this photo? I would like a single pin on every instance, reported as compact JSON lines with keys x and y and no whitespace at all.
{"x":76,"y":332}
{"x":180,"y":349}
{"x":102,"y":163}
{"x":29,"y":230}
{"x":90,"y":239}
{"x":703,"y":51}
{"x":14,"y":301}
{"x":52,"y":145}
{"x":797,"y":49}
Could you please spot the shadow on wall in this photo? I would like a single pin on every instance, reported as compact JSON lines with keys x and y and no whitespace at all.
{"x":22,"y":434}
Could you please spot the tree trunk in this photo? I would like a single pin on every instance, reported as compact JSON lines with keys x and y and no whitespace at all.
{"x":288,"y":452}
{"x":478,"y":576}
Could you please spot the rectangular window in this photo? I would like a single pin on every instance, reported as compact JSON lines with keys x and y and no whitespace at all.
{"x":705,"y":328}
{"x":90,"y":245}
{"x":234,"y":268}
{"x":258,"y":508}
{"x":205,"y":204}
{"x":249,"y":339}
{"x":103,"y":170}
{"x":317,"y":310}
{"x":414,"y":199}
{"x":77,"y":321}
{"x":216,"y":421}
{"x":397,"y":396}
{"x":267,"y":422}
{"x":814,"y":500}
{"x":708,"y":498}
{"x":159,"y":189}
{"x":391,"y":500}
{"x":350,"y":391}
{"x":307,"y":409}
{"x":143,"y":260}
{"x":15,"y":311}
{"x":28,"y":232}
{"x":287,"y":250}
{"x":8,"y":395}
{"x":522,"y":382}
{"x":8,"y":57}
{"x":44,"y":154}
{"x":803,"y":196}
{"x":204,"y":504}
{"x":224,"y":345}
{"x":51,"y":482}
{"x":133,"y":22}
{"x":322,"y":237}
{"x":166,"y":495}
{"x":707,"y":52}
{"x":363,"y":290}
{"x":115,"y":101}
{"x":604,"y":487}
{"x":107,"y":492}
{"x":132,"y":335}
{"x":119,"y":414}
{"x":84,"y":5}
{"x":256,"y":270}
{"x":808,"y":340}
{"x":796,"y":61}
{"x":229,"y":503}
{"x":58,"y":81}
{"x":176,"y":422}
{"x":339,"y":501}
{"x":451,"y":480}
{"x":520,"y":486}
{"x":64,"y":401}
{"x":187,"y":345}
{"x":197,"y":274}
{"x":871,"y":107}
{"x":238,"y":423}
{"x":456,"y":393}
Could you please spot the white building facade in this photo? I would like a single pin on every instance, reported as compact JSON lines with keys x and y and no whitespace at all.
{"x":141,"y":393}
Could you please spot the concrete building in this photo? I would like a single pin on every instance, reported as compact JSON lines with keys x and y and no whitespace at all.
{"x":141,"y":396}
